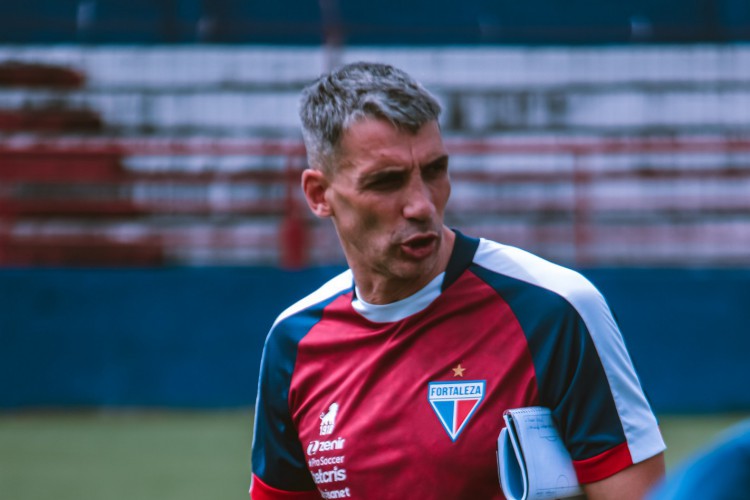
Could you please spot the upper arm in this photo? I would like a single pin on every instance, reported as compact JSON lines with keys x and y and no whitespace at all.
{"x":583,"y":370}
{"x":630,"y":483}
{"x":595,"y":394}
{"x":278,"y":459}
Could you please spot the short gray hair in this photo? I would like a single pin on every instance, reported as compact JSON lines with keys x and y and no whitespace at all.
{"x":356,"y":91}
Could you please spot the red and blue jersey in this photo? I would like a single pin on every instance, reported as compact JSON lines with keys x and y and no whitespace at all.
{"x":405,"y":400}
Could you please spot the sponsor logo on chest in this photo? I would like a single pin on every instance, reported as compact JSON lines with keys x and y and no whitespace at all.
{"x":455,"y":403}
{"x":326,"y":457}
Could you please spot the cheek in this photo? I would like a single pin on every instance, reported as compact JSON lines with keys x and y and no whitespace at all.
{"x":358,"y":218}
{"x":373,"y":227}
{"x":369,"y":221}
{"x":441,"y":194}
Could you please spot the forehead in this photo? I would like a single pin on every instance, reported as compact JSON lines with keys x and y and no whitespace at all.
{"x":373,"y":143}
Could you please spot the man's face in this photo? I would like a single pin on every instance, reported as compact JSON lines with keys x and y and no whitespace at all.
{"x":387,"y":196}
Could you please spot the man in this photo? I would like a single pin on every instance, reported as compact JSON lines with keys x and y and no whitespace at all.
{"x":390,"y":381}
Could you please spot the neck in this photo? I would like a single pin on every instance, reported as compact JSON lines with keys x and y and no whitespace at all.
{"x":380,"y":288}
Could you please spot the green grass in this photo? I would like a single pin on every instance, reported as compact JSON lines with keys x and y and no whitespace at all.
{"x":688,"y":434}
{"x":134,"y":456}
{"x":178,"y":455}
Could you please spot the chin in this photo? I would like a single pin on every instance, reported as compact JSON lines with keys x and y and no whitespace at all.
{"x":414,"y":269}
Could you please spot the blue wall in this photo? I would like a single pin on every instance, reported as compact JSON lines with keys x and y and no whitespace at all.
{"x":688,"y":332}
{"x":187,"y":337}
{"x":192,"y":337}
{"x":385,"y":22}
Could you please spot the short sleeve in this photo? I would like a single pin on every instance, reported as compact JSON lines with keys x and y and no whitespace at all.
{"x":592,"y":388}
{"x":278,"y":460}
{"x":583,"y":371}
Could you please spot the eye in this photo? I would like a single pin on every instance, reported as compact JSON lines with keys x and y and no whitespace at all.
{"x":385,"y":181}
{"x":436,"y":168}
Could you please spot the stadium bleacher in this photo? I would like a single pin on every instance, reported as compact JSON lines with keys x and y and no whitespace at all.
{"x":591,"y":156}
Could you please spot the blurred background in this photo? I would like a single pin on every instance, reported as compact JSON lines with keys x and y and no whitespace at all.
{"x":151,"y":224}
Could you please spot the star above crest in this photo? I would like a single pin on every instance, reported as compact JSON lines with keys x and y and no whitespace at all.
{"x":458,"y":371}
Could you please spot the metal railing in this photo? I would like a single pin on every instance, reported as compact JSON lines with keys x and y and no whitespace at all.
{"x":581,"y":201}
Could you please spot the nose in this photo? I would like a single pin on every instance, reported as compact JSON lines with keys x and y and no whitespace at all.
{"x":418,"y":203}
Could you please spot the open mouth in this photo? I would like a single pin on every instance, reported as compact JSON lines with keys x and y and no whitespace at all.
{"x":420,"y":242}
{"x":419,"y":246}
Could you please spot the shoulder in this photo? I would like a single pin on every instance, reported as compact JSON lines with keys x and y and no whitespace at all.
{"x":518,"y":268}
{"x":317,"y":299}
{"x":291,"y":326}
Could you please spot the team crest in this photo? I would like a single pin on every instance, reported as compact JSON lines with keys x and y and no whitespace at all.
{"x":455,"y":403}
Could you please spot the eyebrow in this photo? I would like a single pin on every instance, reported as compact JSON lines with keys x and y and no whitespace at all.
{"x":437,"y":161}
{"x":373,"y":177}
{"x":396,"y":171}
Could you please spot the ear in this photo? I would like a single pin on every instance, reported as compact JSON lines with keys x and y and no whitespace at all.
{"x":315,"y":185}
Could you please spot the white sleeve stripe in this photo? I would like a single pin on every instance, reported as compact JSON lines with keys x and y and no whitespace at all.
{"x":334,"y":286}
{"x":637,"y":419}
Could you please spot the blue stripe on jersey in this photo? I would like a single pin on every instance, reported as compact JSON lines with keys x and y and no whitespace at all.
{"x":462,"y":255}
{"x":569,"y":373}
{"x":273,"y":462}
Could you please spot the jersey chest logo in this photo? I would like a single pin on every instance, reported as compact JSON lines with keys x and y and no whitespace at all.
{"x":328,"y":420}
{"x":455,"y":403}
